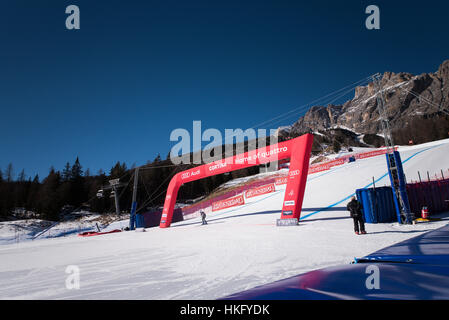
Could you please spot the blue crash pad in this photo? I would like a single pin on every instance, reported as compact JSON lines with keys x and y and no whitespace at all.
{"x":417,"y":268}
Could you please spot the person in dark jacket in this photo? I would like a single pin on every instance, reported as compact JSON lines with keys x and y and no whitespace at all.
{"x":355,"y":209}
{"x":203,"y":217}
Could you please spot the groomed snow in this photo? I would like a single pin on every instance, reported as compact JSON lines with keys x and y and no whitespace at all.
{"x":238,"y":250}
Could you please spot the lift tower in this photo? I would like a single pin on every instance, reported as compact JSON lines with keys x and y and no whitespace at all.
{"x":395,"y":170}
{"x":114,"y":185}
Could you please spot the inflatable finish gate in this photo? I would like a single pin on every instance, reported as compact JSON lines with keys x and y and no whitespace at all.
{"x":298,"y":150}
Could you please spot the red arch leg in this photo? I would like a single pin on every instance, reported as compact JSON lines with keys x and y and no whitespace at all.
{"x":297,"y":177}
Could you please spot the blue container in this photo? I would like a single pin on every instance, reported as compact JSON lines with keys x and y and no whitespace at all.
{"x":378,"y":204}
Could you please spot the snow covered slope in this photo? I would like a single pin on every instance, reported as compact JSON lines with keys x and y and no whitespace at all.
{"x":239,"y":249}
{"x":34,"y":229}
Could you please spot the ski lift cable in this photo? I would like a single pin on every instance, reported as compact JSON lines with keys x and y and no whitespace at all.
{"x":294,"y":112}
{"x":417,"y":95}
{"x":302,"y":107}
{"x":154,"y":198}
{"x":332,"y":101}
{"x":282,"y":118}
{"x":157,"y":189}
{"x":421,"y":98}
{"x":123,"y":190}
{"x":143,"y":182}
{"x":144,"y":167}
{"x":289,"y":114}
{"x":150,"y":199}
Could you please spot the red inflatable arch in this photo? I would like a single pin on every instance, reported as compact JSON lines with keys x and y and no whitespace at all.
{"x":298,"y":150}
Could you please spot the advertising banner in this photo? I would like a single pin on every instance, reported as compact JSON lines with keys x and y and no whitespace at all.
{"x":259,"y":191}
{"x":280,"y":181}
{"x":228,"y":203}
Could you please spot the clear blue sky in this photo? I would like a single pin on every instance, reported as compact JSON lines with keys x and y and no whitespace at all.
{"x":136,"y":70}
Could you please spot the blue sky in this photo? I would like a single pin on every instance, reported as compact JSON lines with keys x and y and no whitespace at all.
{"x":136,"y":70}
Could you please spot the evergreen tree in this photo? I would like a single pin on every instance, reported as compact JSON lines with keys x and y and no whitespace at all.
{"x":32,"y":201}
{"x":76,"y":171}
{"x":9,"y":173}
{"x":50,"y":203}
{"x":22,"y":176}
{"x":67,"y":172}
{"x":77,"y":188}
{"x":118,"y":170}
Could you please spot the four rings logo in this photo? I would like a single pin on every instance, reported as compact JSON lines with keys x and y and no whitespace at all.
{"x":185,"y":175}
{"x":293,"y":173}
{"x":190,"y":174}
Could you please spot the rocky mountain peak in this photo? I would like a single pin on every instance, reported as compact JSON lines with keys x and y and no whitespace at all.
{"x":408,"y":98}
{"x":443,"y":70}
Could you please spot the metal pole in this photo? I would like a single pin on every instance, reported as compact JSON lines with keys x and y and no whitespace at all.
{"x":132,"y":218}
{"x":117,"y":206}
{"x":391,"y":157}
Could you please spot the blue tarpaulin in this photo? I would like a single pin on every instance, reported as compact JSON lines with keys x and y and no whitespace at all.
{"x":378,"y":204}
{"x":417,"y":268}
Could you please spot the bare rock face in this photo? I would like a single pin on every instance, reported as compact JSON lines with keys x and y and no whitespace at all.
{"x":406,"y":98}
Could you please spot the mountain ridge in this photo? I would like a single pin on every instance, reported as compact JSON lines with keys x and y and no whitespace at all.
{"x":417,"y":107}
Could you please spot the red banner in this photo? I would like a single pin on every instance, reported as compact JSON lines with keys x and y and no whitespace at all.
{"x":280,"y":181}
{"x":251,"y":193}
{"x":336,"y":162}
{"x":323,"y":166}
{"x":374,"y":153}
{"x":228,"y":203}
{"x":319,"y":168}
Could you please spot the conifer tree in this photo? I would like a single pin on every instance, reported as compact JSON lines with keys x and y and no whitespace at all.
{"x":9,"y":173}
{"x":66,"y":172}
{"x":76,"y":171}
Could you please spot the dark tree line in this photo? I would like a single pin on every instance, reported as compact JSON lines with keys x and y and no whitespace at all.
{"x":45,"y":198}
{"x":423,"y":129}
{"x":72,"y":188}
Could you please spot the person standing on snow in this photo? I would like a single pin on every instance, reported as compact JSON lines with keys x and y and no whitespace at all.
{"x":355,"y":209}
{"x":203,"y":217}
